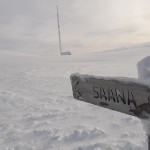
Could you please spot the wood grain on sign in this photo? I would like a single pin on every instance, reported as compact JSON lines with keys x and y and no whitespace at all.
{"x":123,"y":96}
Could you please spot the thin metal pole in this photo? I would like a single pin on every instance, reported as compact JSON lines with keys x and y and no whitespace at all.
{"x":59,"y":31}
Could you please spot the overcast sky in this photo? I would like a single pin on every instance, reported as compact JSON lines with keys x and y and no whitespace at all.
{"x":86,"y":25}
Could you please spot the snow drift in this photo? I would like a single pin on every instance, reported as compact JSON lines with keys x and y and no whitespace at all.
{"x":38,"y":110}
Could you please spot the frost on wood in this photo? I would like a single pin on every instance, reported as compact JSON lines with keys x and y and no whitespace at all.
{"x":120,"y":95}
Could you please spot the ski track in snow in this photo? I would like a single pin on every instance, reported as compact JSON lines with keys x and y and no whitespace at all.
{"x":38,"y":111}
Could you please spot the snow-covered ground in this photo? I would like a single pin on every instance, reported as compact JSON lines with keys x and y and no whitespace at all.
{"x":38,"y":112}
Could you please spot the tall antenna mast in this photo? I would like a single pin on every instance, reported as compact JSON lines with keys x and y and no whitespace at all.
{"x":59,"y":31}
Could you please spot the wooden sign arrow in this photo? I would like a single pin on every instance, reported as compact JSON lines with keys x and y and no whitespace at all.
{"x":123,"y":95}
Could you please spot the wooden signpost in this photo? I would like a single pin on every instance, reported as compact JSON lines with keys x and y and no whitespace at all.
{"x":120,"y":94}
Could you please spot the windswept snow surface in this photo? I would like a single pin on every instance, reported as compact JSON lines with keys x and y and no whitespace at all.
{"x":38,"y":112}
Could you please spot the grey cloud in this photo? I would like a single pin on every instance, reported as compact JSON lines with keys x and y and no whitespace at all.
{"x":32,"y":24}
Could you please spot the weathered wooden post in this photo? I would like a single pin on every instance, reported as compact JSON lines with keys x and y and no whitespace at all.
{"x":148,"y":142}
{"x":125,"y":95}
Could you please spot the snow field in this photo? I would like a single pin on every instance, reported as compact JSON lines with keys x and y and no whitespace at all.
{"x":38,"y":111}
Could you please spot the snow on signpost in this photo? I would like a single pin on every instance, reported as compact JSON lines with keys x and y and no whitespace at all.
{"x":126,"y":95}
{"x":122,"y":95}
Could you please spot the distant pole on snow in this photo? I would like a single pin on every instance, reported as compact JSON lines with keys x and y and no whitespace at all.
{"x":59,"y":31}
